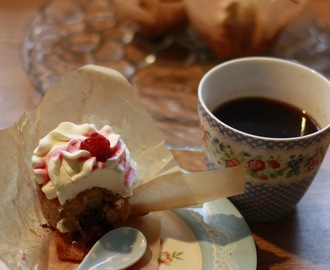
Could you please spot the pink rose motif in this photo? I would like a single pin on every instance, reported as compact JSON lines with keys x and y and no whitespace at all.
{"x":313,"y":162}
{"x":232,"y":162}
{"x":205,"y":136}
{"x":166,"y":258}
{"x":274,"y":164}
{"x":256,"y":165}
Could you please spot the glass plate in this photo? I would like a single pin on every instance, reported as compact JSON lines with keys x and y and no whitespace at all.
{"x":214,"y":236}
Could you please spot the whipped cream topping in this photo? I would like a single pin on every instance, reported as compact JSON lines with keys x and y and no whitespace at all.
{"x":64,"y":169}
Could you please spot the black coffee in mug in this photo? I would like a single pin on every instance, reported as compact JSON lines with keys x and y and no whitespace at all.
{"x":266,"y":117}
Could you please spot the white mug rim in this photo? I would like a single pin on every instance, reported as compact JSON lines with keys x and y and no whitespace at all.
{"x":243,"y":59}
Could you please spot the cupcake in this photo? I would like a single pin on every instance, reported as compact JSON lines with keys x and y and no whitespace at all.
{"x":83,"y":192}
{"x":235,"y":28}
{"x":84,"y":178}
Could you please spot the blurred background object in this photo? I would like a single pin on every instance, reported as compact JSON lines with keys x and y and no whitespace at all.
{"x":234,"y":28}
{"x":176,"y":41}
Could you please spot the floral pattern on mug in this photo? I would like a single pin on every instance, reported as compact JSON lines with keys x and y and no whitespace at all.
{"x":260,"y":167}
{"x":224,"y":152}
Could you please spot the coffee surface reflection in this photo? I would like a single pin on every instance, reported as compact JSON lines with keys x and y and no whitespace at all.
{"x":266,"y":117}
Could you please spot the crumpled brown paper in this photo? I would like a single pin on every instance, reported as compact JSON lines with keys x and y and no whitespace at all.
{"x":101,"y":96}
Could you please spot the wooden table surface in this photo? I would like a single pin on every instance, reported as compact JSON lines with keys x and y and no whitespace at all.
{"x":300,"y":241}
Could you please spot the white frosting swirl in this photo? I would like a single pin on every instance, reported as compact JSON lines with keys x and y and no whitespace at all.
{"x":64,"y":169}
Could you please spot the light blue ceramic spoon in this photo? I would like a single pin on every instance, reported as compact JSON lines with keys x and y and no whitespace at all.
{"x":118,"y":249}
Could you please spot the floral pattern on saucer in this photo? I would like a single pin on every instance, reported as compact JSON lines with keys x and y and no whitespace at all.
{"x":167,"y":257}
{"x":225,"y":241}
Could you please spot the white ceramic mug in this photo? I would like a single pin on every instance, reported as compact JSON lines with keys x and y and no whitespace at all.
{"x":278,"y":170}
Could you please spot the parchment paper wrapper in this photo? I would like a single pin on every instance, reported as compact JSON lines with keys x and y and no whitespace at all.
{"x":101,"y":96}
{"x":233,"y":28}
